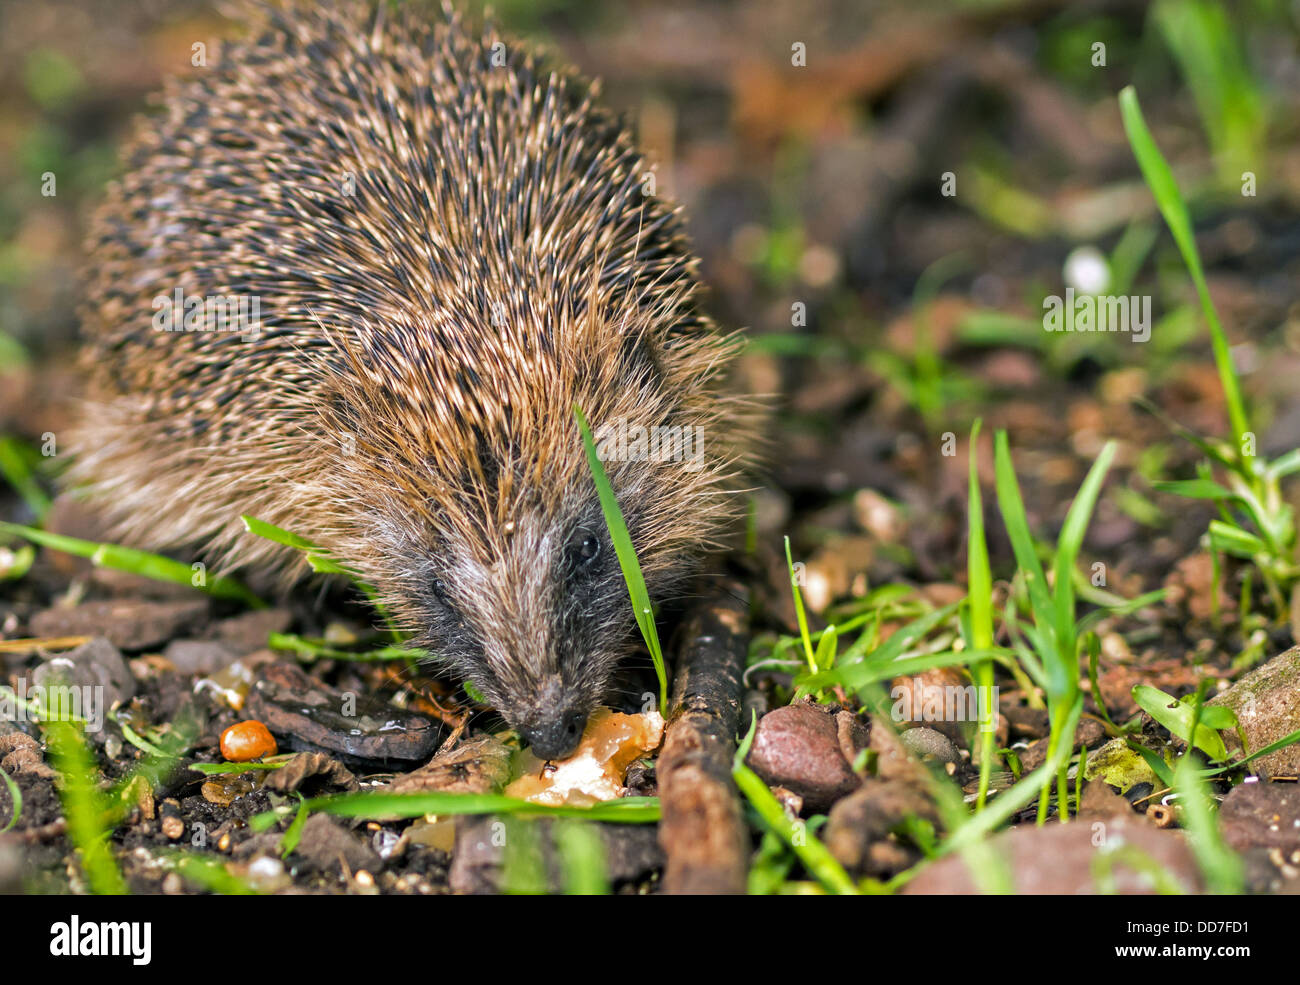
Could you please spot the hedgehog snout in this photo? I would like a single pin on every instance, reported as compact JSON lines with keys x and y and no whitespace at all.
{"x":555,"y":736}
{"x":553,"y":726}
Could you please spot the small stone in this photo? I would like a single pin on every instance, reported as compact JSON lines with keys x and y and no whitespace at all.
{"x":798,"y":747}
{"x":267,"y":873}
{"x":927,"y":744}
{"x":1062,"y":859}
{"x":324,"y":843}
{"x":1101,"y":801}
{"x":790,"y":801}
{"x":867,"y":816}
{"x":878,"y":516}
{"x":942,"y":698}
{"x":1262,"y":814}
{"x":1267,"y":703}
{"x":173,"y":827}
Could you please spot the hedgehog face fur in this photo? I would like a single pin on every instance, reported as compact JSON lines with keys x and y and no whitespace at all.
{"x":451,"y":247}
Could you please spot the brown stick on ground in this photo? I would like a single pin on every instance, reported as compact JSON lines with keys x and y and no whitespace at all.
{"x":702,"y":831}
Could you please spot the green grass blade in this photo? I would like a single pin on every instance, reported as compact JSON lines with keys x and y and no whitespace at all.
{"x":618,"y":533}
{"x":84,"y":807}
{"x":153,"y":566}
{"x":1012,"y":508}
{"x":15,"y":466}
{"x":1068,"y":546}
{"x":979,"y":593}
{"x":1179,"y":717}
{"x":1160,"y":179}
{"x":380,"y":805}
{"x":1223,"y":870}
{"x":801,"y":616}
{"x":979,"y":576}
{"x":582,"y":854}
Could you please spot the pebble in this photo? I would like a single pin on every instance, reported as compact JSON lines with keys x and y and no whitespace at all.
{"x":927,"y":744}
{"x":1265,"y":815}
{"x":1059,"y":859}
{"x":867,"y":816}
{"x":246,"y":741}
{"x":798,"y":747}
{"x":1267,"y":703}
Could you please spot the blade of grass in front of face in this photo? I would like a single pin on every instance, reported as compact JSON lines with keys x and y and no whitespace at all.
{"x":1221,"y":866}
{"x":979,"y":592}
{"x":83,"y":807}
{"x":137,"y":562}
{"x":1160,"y":179}
{"x":321,"y":560}
{"x":618,"y":533}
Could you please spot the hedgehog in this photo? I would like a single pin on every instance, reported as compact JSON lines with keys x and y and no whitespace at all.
{"x":426,"y":244}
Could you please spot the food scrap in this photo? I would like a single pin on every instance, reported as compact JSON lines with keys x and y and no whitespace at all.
{"x":611,"y":743}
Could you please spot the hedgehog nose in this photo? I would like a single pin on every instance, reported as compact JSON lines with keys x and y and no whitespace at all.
{"x":555,"y":738}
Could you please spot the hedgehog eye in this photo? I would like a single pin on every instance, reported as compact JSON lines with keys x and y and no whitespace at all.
{"x":584,"y":549}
